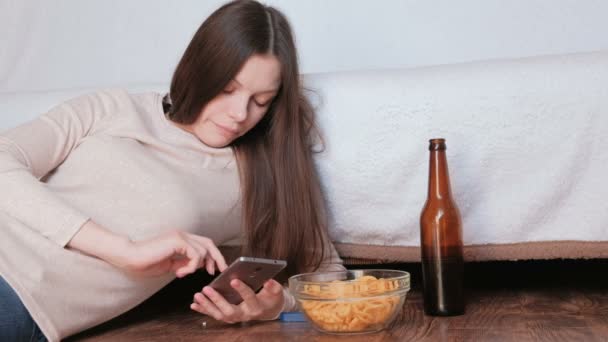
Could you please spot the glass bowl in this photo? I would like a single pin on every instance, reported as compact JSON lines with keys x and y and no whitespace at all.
{"x":352,"y":301}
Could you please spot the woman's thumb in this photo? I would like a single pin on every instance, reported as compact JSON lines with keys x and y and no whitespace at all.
{"x":272,"y":287}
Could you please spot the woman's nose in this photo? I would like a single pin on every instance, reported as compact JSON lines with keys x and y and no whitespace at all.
{"x":238,"y":110}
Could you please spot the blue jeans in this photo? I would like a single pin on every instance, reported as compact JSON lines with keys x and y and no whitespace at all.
{"x":16,"y":324}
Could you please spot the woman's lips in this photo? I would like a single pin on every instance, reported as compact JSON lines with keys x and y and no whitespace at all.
{"x":225,"y":130}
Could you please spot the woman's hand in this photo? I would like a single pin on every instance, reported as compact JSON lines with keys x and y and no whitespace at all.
{"x":174,"y":252}
{"x":265,"y":305}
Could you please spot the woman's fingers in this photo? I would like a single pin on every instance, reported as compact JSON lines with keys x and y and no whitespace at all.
{"x":262,"y":306}
{"x":178,"y":263}
{"x":200,"y":252}
{"x":272,"y":299}
{"x":210,"y":266}
{"x":176,"y":252}
{"x":194,"y":260}
{"x":203,"y":251}
{"x":271,"y":288}
{"x":244,"y":291}
{"x":213,"y":251}
{"x":251,"y":304}
{"x":229,"y":311}
{"x":205,"y":306}
{"x":207,"y":260}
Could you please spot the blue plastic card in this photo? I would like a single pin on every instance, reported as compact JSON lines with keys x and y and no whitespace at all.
{"x":292,"y":317}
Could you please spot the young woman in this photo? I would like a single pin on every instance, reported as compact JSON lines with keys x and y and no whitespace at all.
{"x":108,"y":197}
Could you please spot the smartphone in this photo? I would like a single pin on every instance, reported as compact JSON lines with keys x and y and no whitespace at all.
{"x":252,"y":271}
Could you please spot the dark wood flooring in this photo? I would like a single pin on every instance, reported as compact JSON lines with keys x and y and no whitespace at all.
{"x":556,"y":300}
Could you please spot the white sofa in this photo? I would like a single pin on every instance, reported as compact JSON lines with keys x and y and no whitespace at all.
{"x":527,"y":150}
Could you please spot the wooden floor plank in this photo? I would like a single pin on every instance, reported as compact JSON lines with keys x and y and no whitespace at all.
{"x":505,"y":302}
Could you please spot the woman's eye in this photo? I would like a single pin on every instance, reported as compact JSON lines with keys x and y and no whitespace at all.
{"x":261,"y":104}
{"x":228,"y":91}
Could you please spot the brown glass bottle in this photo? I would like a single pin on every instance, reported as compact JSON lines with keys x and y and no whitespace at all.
{"x":441,"y":241}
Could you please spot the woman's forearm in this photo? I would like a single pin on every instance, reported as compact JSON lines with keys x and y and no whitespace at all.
{"x":95,"y":240}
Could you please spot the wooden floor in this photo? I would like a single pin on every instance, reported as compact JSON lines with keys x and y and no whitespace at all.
{"x":562,"y":300}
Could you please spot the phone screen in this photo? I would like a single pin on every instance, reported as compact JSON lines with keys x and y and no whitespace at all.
{"x":252,"y":271}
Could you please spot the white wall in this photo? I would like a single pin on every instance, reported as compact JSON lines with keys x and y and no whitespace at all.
{"x":73,"y":43}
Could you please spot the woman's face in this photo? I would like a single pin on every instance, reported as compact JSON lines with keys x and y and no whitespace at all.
{"x":241,"y":105}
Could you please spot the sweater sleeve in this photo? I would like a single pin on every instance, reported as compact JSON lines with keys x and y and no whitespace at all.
{"x":331,"y":259}
{"x":32,"y":150}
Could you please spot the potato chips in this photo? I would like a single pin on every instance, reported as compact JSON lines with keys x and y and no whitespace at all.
{"x":359,"y":305}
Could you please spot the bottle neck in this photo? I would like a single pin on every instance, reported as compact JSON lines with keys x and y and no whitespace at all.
{"x":439,"y":179}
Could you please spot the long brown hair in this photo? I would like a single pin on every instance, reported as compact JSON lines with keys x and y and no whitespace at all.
{"x":283,"y":213}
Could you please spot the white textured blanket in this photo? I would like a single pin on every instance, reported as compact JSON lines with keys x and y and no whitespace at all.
{"x":527,"y":149}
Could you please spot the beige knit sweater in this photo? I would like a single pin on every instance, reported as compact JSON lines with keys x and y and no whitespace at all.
{"x":114,"y":158}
